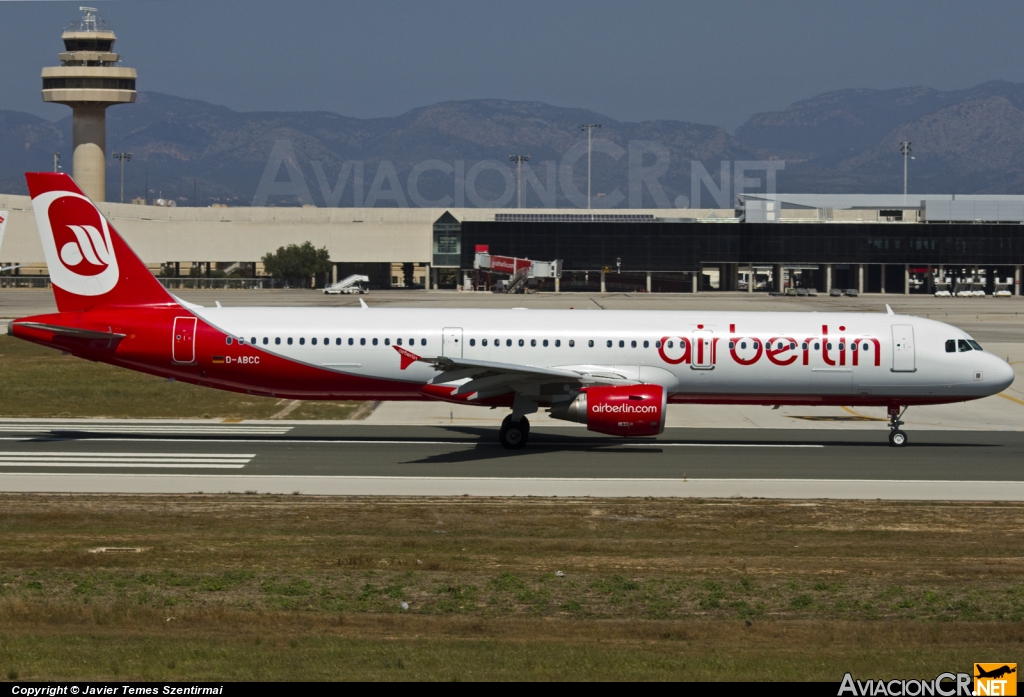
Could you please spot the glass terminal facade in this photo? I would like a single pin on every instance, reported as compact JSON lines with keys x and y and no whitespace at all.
{"x":689,"y":246}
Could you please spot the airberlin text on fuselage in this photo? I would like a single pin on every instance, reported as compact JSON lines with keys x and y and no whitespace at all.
{"x":835,"y":349}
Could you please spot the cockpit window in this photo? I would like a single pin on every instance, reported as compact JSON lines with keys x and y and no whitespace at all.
{"x":975,"y":345}
{"x":963,"y":345}
{"x":950,"y":345}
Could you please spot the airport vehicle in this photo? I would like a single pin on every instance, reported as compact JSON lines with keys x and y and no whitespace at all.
{"x":613,"y":371}
{"x":943,"y":294}
{"x":351,"y":285}
{"x":1002,"y":294}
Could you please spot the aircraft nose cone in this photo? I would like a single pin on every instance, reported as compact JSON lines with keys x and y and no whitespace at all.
{"x":1002,"y":374}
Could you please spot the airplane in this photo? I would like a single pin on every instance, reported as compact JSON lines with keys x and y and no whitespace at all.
{"x":3,"y":226}
{"x":995,"y":673}
{"x":615,"y":371}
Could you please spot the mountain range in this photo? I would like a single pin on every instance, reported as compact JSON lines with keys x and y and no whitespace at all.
{"x":965,"y":141}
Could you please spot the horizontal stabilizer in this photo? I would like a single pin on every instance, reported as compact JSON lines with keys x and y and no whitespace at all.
{"x":74,"y":332}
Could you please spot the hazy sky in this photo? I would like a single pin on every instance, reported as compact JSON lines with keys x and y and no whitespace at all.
{"x":713,"y":62}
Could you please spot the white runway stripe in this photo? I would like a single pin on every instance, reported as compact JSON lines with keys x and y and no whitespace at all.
{"x":127,"y":460}
{"x":143,"y":428}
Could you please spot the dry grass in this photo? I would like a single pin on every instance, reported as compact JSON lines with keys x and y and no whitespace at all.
{"x":650,"y":589}
{"x":37,"y":382}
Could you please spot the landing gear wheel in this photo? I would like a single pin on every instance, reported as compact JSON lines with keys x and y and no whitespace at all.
{"x":514,"y":434}
{"x":897,"y":439}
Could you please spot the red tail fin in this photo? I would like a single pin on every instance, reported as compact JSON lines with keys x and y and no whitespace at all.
{"x":90,"y":264}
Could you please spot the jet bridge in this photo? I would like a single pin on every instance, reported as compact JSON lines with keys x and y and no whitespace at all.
{"x":520,"y":271}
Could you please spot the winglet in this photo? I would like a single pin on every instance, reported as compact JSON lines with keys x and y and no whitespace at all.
{"x":889,"y":309}
{"x":362,"y":304}
{"x":407,"y":357}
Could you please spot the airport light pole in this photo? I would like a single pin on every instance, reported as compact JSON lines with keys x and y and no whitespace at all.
{"x":56,"y":162}
{"x":905,"y":149}
{"x":589,"y":128}
{"x":123,"y":157}
{"x":519,"y":160}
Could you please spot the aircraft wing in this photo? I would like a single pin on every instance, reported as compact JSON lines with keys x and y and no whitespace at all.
{"x":489,"y":378}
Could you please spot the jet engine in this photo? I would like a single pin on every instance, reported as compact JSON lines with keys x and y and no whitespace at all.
{"x":621,"y":410}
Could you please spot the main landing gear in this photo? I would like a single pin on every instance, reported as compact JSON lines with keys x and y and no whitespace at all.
{"x":514,"y":432}
{"x":897,"y":438}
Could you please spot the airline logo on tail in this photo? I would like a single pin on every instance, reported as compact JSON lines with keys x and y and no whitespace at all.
{"x":76,"y":242}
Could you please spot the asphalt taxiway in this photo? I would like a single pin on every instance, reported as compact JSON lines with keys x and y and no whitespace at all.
{"x":361,"y":459}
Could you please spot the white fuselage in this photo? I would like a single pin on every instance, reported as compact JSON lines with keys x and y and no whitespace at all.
{"x":697,"y":356}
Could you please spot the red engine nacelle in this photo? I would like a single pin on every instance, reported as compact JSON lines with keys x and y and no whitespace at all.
{"x":628,"y":410}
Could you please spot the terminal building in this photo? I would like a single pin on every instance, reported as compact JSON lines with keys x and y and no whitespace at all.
{"x":779,"y":243}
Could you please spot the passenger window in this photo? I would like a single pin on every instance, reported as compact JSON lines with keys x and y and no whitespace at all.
{"x":842,"y":347}
{"x":816,"y":346}
{"x":229,"y":340}
{"x":423,"y":342}
{"x":657,"y":344}
{"x":350,"y":341}
{"x":828,"y":346}
{"x":865,"y":347}
{"x":387,"y":342}
{"x":484,"y":342}
{"x":792,"y":345}
{"x":670,"y":344}
{"x":804,"y":346}
{"x":398,"y":341}
{"x":313,"y":341}
{"x":558,"y":342}
{"x":362,"y":341}
{"x":950,"y":345}
{"x":743,"y":344}
{"x":327,"y":342}
{"x":609,"y":343}
{"x":853,"y":347}
{"x":277,"y":340}
{"x":412,"y":342}
{"x":521,"y":342}
{"x":963,"y":345}
{"x":472,"y":342}
{"x":732,"y":344}
{"x":622,"y":344}
{"x":338,"y":341}
{"x":302,"y":341}
{"x":756,"y":346}
{"x":590,"y":343}
{"x":572,"y":342}
{"x":533,"y":342}
{"x":375,"y":341}
{"x":508,"y":342}
{"x":289,"y":341}
{"x":265,"y":341}
{"x":646,"y":344}
{"x":545,"y":343}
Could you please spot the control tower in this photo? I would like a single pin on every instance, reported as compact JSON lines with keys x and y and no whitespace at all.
{"x":88,"y":80}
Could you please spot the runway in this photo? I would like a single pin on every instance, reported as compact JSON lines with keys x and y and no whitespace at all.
{"x":360,"y":459}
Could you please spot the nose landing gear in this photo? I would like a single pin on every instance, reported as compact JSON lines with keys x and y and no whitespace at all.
{"x":897,"y":438}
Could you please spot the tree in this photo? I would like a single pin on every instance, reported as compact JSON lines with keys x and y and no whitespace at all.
{"x":297,"y":262}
